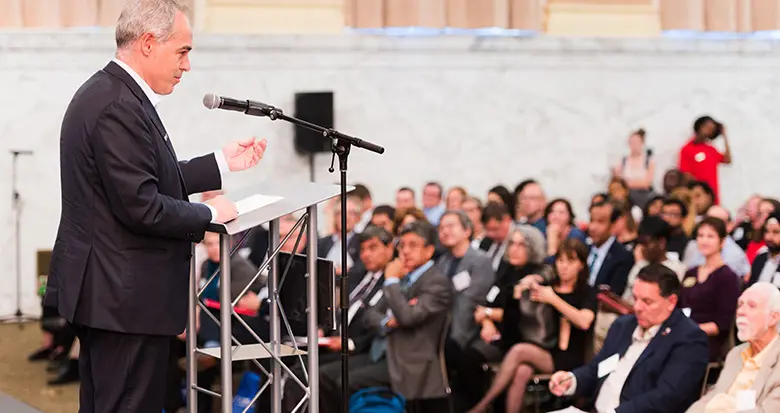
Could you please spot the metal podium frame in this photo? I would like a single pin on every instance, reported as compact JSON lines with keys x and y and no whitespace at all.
{"x":295,"y":197}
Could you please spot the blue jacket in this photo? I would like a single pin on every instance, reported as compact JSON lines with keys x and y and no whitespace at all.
{"x":666,"y":378}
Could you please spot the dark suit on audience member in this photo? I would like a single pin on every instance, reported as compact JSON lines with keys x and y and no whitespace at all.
{"x":666,"y":378}
{"x":410,"y":363}
{"x":615,"y":268}
{"x":121,"y":258}
{"x":325,"y":244}
{"x":758,"y":267}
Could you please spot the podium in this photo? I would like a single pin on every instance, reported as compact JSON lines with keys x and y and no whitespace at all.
{"x":263,"y":203}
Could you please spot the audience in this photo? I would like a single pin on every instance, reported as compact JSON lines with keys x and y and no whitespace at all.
{"x":498,"y":225}
{"x":432,"y":206}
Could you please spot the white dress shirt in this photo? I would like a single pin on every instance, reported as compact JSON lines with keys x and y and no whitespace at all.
{"x":154,"y":98}
{"x":769,"y":273}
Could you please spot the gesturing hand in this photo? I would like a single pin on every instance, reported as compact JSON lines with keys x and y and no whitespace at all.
{"x":244,"y":154}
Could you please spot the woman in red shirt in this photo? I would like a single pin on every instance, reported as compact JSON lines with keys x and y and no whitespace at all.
{"x":699,"y":159}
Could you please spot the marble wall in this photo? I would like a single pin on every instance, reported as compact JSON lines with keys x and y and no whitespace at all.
{"x":463,"y":111}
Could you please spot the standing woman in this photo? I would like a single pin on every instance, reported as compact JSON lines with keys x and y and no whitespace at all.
{"x":710,"y":291}
{"x":637,"y":169}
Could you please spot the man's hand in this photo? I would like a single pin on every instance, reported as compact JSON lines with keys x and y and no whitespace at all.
{"x":334,"y":344}
{"x":244,"y":154}
{"x":392,"y":323}
{"x":250,"y":301}
{"x":560,"y":382}
{"x":226,"y":209}
{"x":394,"y":269}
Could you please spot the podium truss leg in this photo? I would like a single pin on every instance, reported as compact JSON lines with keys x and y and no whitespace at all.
{"x":275,"y":327}
{"x":313,"y":346}
{"x":192,"y":337}
{"x":226,"y":332}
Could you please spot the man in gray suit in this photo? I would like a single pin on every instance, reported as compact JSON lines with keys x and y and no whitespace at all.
{"x":471,"y":273}
{"x":409,"y":321}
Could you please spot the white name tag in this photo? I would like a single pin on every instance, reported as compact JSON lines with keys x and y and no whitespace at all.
{"x":461,"y":281}
{"x":609,"y":365}
{"x":375,"y":299}
{"x":746,"y":400}
{"x":492,"y":294}
{"x":687,"y":312}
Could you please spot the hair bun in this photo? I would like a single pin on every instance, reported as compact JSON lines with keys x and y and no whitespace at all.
{"x":641,"y":132}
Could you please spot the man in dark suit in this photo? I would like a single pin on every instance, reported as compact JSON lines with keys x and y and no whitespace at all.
{"x":766,"y":266}
{"x":609,"y":261}
{"x":408,"y":322}
{"x":120,"y":262}
{"x":329,"y":247}
{"x":498,"y":225}
{"x":653,"y":361}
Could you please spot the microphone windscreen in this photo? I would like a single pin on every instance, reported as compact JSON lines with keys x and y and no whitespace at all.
{"x":211,"y":101}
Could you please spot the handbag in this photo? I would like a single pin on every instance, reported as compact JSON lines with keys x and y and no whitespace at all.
{"x":537,"y":322}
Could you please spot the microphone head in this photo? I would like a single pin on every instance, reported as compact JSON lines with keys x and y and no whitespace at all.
{"x":211,"y":101}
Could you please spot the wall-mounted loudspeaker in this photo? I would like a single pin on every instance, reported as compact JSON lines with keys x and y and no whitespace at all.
{"x":317,"y":108}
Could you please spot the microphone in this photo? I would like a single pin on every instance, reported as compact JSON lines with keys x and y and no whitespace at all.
{"x":249,"y":107}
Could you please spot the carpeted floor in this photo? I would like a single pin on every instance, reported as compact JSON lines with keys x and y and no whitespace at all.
{"x":26,"y":381}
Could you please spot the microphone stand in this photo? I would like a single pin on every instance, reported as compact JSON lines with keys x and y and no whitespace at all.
{"x":18,"y":317}
{"x":341,"y":146}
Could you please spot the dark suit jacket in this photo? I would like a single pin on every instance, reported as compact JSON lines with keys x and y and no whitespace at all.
{"x":121,"y":258}
{"x":757,"y":267}
{"x":358,"y":332}
{"x":666,"y":378}
{"x":413,"y":348}
{"x":615,"y":268}
{"x":324,"y":245}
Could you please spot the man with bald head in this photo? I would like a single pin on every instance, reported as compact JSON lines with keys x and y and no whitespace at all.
{"x":732,"y":254}
{"x":750,"y":379}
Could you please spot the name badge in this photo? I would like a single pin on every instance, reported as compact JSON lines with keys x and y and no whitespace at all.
{"x":746,"y":400}
{"x":609,"y":365}
{"x":461,"y":281}
{"x":689,"y":282}
{"x":492,"y":294}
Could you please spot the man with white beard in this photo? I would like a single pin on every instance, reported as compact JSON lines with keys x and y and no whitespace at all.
{"x":750,"y":380}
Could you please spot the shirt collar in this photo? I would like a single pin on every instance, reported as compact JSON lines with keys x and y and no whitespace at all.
{"x":645,"y":335}
{"x":153,"y":97}
{"x":748,"y":358}
{"x":417,"y":272}
{"x":605,"y":246}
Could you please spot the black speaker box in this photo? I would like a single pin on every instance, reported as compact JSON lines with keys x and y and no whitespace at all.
{"x":317,"y":108}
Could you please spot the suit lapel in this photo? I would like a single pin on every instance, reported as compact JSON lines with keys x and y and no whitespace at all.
{"x":116,"y":71}
{"x":771,"y":360}
{"x":660,"y":337}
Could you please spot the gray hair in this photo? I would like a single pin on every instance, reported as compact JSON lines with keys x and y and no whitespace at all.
{"x":147,"y":16}
{"x":537,"y":246}
{"x":771,"y":293}
{"x":464,"y":220}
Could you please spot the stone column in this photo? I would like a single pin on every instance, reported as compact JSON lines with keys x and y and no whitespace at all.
{"x":474,"y":14}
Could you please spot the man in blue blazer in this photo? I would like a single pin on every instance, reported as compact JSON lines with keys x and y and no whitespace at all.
{"x":653,"y":361}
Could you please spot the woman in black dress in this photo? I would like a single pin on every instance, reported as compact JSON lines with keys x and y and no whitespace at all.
{"x":574,"y":303}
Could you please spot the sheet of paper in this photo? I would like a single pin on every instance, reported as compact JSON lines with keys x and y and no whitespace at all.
{"x":608,"y":365}
{"x":255,"y":202}
{"x":461,"y":281}
{"x":746,"y":400}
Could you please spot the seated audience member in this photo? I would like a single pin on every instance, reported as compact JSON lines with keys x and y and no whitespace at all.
{"x":672,"y":180}
{"x":471,"y":274}
{"x":710,"y":291}
{"x":560,"y":225}
{"x":365,"y":291}
{"x":408,"y":322}
{"x":455,"y":198}
{"x":574,"y":303}
{"x":498,"y":225}
{"x":329,"y":247}
{"x":473,"y":208}
{"x":732,"y":255}
{"x":363,"y":196}
{"x":500,"y":195}
{"x":653,"y":361}
{"x":625,"y":227}
{"x":702,"y":197}
{"x":405,"y":199}
{"x":406,"y":216}
{"x":432,"y":206}
{"x":674,"y":212}
{"x":530,"y":206}
{"x":608,"y":260}
{"x":746,"y":225}
{"x":652,"y":241}
{"x":521,"y":264}
{"x":654,"y":206}
{"x":384,"y":217}
{"x":750,"y":379}
{"x":766,"y":266}
{"x":766,"y":207}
